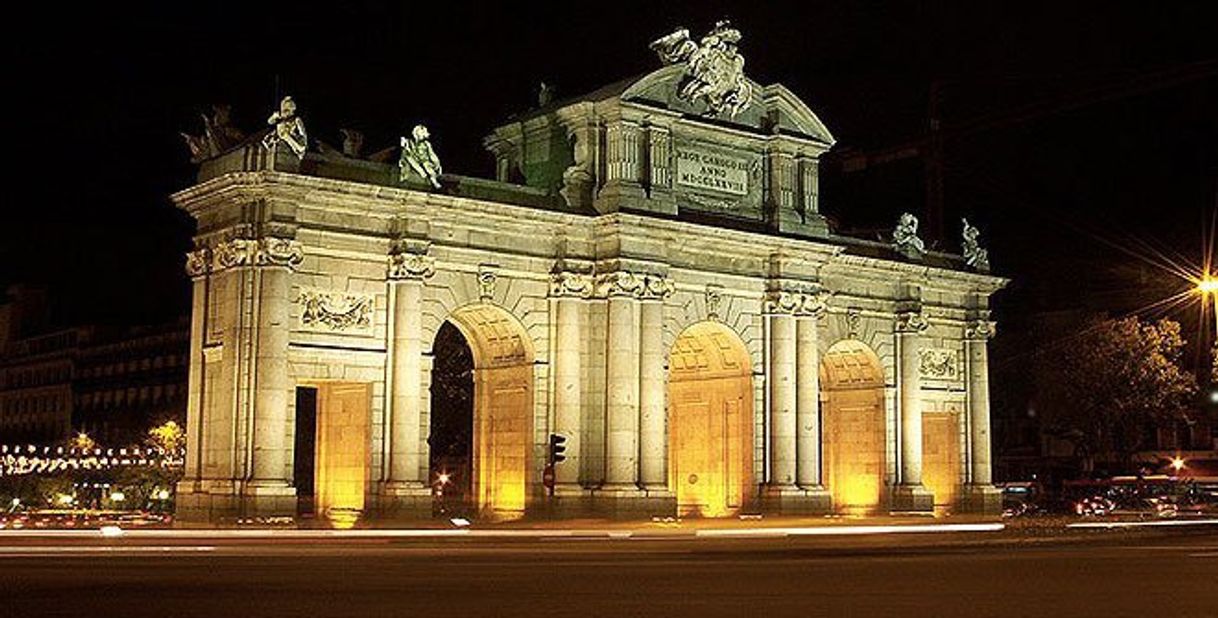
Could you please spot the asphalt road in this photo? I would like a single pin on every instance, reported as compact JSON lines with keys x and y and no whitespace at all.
{"x":1108,"y":576}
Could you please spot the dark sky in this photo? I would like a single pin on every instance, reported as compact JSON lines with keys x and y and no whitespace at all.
{"x":1105,"y":118}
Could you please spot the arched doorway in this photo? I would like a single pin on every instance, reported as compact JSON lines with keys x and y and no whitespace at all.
{"x":451,"y":436}
{"x":853,"y":430}
{"x":482,"y":409}
{"x":710,"y":421}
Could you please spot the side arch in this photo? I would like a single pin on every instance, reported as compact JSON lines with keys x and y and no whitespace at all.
{"x":710,"y":421}
{"x":503,"y":401}
{"x":854,"y":435}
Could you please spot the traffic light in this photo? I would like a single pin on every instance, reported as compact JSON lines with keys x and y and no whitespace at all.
{"x":558,"y":446}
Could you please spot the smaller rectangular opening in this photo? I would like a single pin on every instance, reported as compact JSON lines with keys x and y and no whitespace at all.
{"x":304,"y":467}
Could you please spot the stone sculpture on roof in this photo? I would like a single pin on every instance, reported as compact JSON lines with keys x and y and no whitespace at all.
{"x":289,"y":128}
{"x":714,"y":68}
{"x":905,"y":237}
{"x":974,"y":256}
{"x":419,"y":157}
{"x":218,"y":135}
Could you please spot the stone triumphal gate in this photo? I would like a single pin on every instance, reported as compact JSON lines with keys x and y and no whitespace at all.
{"x":649,"y":277}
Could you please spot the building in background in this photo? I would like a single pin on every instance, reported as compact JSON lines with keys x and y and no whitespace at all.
{"x":111,"y":383}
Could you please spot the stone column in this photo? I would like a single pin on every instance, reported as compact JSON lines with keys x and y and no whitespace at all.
{"x":406,"y":491}
{"x":406,"y":274}
{"x":197,"y":267}
{"x":622,"y":383}
{"x":782,"y":412}
{"x":909,"y":494}
{"x":569,"y":291}
{"x":653,"y":439}
{"x":794,"y":415}
{"x":274,"y":259}
{"x":980,"y":495}
{"x":807,"y":404}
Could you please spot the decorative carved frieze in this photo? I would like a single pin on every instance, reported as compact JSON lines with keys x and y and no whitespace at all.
{"x":571,"y":285}
{"x":331,"y":311}
{"x":912,"y":322}
{"x":939,"y":363}
{"x":198,"y":262}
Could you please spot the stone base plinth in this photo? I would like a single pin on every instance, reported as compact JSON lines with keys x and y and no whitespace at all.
{"x":794,"y":500}
{"x":633,"y":503}
{"x":981,"y":499}
{"x":566,"y":502}
{"x":221,"y":503}
{"x":912,"y":499}
{"x":402,"y":502}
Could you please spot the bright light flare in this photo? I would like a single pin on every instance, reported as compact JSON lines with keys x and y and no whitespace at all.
{"x":1177,"y":464}
{"x":1207,"y":285}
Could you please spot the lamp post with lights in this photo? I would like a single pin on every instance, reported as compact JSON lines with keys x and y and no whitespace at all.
{"x":1207,"y":287}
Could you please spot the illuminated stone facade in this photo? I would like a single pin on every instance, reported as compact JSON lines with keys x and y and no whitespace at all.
{"x":649,"y":278}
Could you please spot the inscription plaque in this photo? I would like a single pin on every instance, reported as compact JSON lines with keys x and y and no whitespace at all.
{"x":711,"y":171}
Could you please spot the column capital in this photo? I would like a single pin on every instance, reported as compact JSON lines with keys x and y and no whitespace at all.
{"x":567,"y":284}
{"x":807,"y":301}
{"x":408,"y":265}
{"x":232,"y":253}
{"x":640,"y":286}
{"x":198,"y":262}
{"x":912,"y":322}
{"x":268,"y":251}
{"x":980,"y":328}
{"x":273,"y":251}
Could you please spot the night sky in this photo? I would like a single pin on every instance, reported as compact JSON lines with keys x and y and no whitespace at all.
{"x":1102,"y":131}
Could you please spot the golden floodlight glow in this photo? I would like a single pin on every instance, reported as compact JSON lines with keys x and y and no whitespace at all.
{"x":342,"y":451}
{"x":1177,"y":464}
{"x":854,"y":459}
{"x":503,"y":404}
{"x":710,"y":407}
{"x":1207,"y":285}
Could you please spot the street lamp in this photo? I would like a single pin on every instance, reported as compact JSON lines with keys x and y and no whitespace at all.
{"x":1207,"y":287}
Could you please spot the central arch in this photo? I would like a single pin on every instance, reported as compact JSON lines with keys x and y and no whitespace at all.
{"x":854,"y":438}
{"x":500,"y":447}
{"x":710,"y":429}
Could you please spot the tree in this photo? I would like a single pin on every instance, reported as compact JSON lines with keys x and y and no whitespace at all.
{"x":82,"y":442}
{"x":168,"y":437}
{"x":1106,"y":386}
